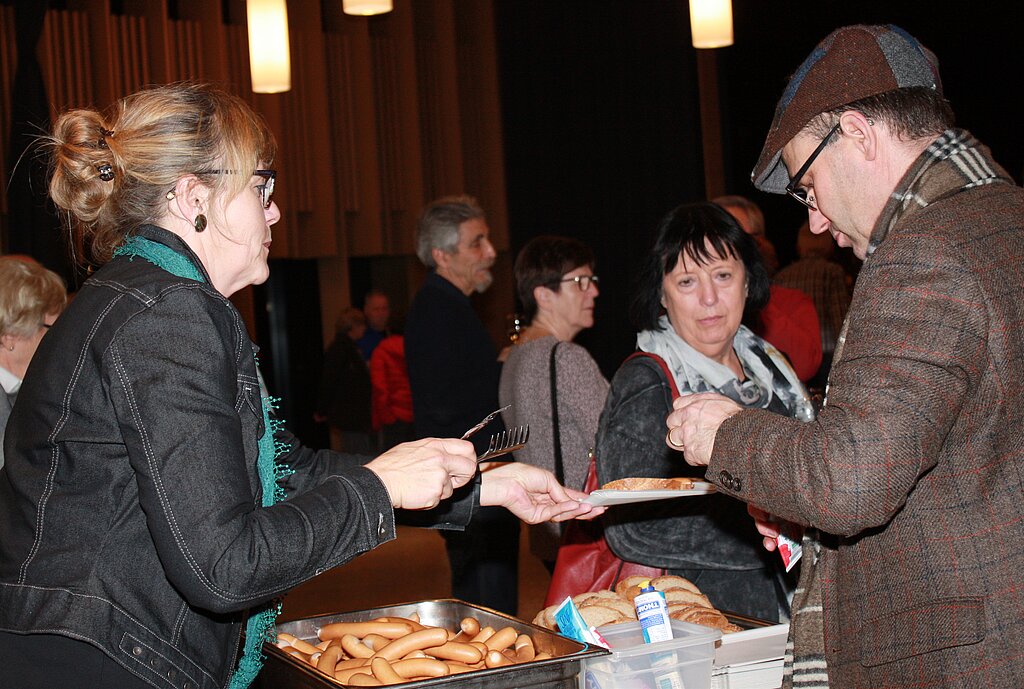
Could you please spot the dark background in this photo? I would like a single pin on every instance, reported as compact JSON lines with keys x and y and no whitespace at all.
{"x":602,"y":124}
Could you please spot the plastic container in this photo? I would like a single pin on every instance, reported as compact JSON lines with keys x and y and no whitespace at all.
{"x":685,"y":660}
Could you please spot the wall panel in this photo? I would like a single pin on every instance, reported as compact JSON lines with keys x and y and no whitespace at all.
{"x":381,"y":117}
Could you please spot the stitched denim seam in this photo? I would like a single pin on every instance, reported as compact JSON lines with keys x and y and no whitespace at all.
{"x":55,"y":454}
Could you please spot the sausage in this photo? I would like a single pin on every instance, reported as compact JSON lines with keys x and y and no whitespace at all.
{"x":292,"y":651}
{"x":294,"y":641}
{"x":484,"y":634}
{"x":356,"y":648}
{"x":416,"y":626}
{"x":525,"y":650}
{"x":455,"y":668}
{"x":361,"y":680}
{"x":345,"y":675}
{"x":480,"y":646}
{"x":383,"y":671}
{"x":501,"y":639}
{"x":455,"y":650}
{"x":352,"y":663}
{"x":470,"y":626}
{"x":376,"y":641}
{"x":329,"y":660}
{"x":496,"y":659}
{"x":416,"y":641}
{"x":410,"y":668}
{"x":390,"y":630}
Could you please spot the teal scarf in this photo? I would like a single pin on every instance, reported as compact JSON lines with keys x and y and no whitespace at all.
{"x":260,"y":626}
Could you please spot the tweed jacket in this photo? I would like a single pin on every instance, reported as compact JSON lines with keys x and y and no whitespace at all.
{"x":913,"y":471}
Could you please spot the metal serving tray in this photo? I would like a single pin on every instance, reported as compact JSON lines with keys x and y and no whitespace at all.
{"x":561,"y":671}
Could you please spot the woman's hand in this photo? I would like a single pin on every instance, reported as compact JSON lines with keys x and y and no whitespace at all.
{"x":532,"y":494}
{"x":693,"y":423}
{"x":766,"y":525}
{"x":420,"y":474}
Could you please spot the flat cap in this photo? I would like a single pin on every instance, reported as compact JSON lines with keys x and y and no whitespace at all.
{"x":851,"y":63}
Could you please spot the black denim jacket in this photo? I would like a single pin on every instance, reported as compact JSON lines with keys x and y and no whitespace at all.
{"x":130,"y":506}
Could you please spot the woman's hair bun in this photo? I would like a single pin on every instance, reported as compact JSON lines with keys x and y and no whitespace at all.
{"x":84,"y":164}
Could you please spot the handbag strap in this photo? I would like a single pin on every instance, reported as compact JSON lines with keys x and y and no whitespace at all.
{"x":664,"y":368}
{"x":559,"y":468}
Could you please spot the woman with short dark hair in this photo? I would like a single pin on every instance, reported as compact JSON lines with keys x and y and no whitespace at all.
{"x":702,"y":277}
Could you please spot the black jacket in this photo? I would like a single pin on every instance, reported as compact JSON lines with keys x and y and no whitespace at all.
{"x":453,"y":364}
{"x":345,"y":392}
{"x":130,"y":505}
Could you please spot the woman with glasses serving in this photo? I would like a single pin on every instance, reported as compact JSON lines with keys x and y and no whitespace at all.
{"x":703,"y":275}
{"x":557,"y":287}
{"x":151,"y":507}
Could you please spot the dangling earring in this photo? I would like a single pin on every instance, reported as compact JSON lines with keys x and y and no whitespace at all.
{"x":199,"y":223}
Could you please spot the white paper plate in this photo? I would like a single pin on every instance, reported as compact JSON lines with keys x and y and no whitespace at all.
{"x":621,"y":497}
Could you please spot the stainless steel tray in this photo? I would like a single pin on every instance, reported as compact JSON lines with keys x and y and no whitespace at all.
{"x":561,"y":671}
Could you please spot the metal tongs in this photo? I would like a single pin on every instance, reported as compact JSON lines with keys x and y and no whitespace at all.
{"x":486,"y":420}
{"x":505,"y":442}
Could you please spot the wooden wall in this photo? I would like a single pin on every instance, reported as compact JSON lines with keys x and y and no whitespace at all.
{"x":384,"y":113}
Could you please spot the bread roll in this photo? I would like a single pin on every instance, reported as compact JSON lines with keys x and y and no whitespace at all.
{"x":633,"y":580}
{"x":603,"y":594}
{"x":636,"y":483}
{"x":599,"y":615}
{"x":624,"y":608}
{"x":671,"y":581}
{"x":695,"y":614}
{"x":687,"y":596}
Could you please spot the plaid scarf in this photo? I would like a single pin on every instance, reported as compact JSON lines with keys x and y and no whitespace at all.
{"x":952,"y":163}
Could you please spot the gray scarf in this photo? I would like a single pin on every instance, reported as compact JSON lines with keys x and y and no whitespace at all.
{"x":770,"y":380}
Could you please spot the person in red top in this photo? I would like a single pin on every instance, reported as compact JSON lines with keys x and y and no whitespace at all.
{"x":789,"y":320}
{"x":392,"y":397}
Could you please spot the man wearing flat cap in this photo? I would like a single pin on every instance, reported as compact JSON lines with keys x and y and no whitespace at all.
{"x":909,"y":484}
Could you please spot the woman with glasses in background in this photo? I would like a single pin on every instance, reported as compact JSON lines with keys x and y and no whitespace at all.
{"x":557,"y":287}
{"x":152,"y":508}
{"x":31,"y":298}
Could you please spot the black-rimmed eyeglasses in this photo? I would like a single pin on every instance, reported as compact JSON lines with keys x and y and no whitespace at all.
{"x":793,"y":188}
{"x":583,"y":281}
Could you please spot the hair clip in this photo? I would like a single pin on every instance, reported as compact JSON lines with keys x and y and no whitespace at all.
{"x":102,"y":141}
{"x":106,"y":172}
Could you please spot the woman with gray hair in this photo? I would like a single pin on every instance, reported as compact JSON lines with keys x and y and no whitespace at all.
{"x":31,"y":298}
